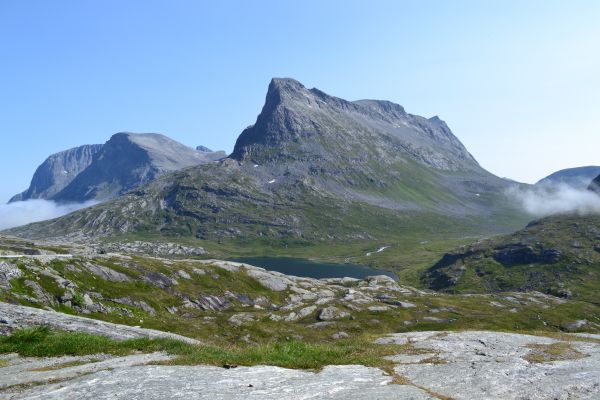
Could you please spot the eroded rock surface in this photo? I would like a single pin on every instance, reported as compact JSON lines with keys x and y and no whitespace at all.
{"x":203,"y":382}
{"x":15,"y":317}
{"x":491,"y":365}
{"x":439,"y":365}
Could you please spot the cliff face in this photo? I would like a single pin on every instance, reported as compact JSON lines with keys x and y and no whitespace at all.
{"x":100,"y":172}
{"x":298,"y":123}
{"x":58,"y":171}
{"x":129,"y":160}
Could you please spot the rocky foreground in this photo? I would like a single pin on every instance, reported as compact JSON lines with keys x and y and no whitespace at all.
{"x":449,"y":365}
{"x":449,"y":345}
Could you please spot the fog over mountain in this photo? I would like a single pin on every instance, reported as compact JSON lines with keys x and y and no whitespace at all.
{"x":19,"y":213}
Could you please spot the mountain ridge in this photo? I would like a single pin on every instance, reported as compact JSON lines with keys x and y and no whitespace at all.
{"x":578,"y":177}
{"x":101,"y":172}
{"x":314,"y":167}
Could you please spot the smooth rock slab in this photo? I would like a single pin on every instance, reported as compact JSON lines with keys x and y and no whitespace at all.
{"x":21,"y":316}
{"x":490,"y":365}
{"x":156,"y":382}
{"x":20,"y":371}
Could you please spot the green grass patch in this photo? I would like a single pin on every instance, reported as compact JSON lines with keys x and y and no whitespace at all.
{"x":42,"y":342}
{"x":559,"y":351}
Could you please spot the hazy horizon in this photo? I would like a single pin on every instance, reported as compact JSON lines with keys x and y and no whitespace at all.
{"x":516,"y":83}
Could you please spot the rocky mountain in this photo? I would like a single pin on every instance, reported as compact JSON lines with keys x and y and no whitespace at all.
{"x":578,"y":178}
{"x":312,"y":168}
{"x":557,"y":255}
{"x":57,"y":172}
{"x":100,"y":172}
{"x":302,"y":125}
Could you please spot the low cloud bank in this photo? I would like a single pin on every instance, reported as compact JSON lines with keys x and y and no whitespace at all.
{"x":557,"y":199}
{"x":25,"y":212}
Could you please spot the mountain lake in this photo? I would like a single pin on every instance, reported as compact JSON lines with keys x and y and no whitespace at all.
{"x":313,"y":269}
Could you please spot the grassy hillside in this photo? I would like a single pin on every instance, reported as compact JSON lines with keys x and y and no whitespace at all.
{"x":220,"y":303}
{"x":558,"y":255}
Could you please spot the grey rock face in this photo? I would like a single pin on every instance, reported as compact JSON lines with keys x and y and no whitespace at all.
{"x":332,"y":313}
{"x":58,"y":171}
{"x":203,"y":382}
{"x":107,"y":273}
{"x":128,"y":160}
{"x":101,"y":172}
{"x":294,"y":115}
{"x":489,"y":365}
{"x":520,"y":253}
{"x":20,"y":316}
{"x":151,"y":248}
{"x":23,"y":371}
{"x":8,"y":272}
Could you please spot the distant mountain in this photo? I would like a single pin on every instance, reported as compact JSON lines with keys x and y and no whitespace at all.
{"x":595,"y":185}
{"x":102,"y":172}
{"x":58,"y":171}
{"x":314,"y":168}
{"x":205,"y":149}
{"x":578,"y":178}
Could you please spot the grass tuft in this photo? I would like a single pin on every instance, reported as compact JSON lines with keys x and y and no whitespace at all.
{"x":42,"y":342}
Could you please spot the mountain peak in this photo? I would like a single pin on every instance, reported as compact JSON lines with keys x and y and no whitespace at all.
{"x":297,"y":123}
{"x":286,"y":84}
{"x":282,"y":88}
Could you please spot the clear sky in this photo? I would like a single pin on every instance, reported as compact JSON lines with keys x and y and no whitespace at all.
{"x":517,"y":81}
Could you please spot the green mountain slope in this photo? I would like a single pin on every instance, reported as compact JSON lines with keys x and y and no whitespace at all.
{"x":558,"y":255}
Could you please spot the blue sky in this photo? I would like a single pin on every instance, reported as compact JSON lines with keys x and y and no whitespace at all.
{"x":517,"y":81}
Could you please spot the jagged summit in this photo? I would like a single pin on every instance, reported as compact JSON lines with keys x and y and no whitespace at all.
{"x":317,"y":125}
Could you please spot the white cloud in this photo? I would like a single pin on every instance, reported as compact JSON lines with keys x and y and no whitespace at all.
{"x":24,"y":212}
{"x":557,"y":199}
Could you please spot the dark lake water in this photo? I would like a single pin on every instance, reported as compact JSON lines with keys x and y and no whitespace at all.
{"x":312,"y":269}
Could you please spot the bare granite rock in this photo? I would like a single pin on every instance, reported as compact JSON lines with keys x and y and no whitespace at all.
{"x":20,"y":316}
{"x":212,"y":383}
{"x":491,"y":365}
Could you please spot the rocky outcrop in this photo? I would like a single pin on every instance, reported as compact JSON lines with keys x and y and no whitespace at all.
{"x":15,"y":317}
{"x":150,"y":248}
{"x":58,"y":171}
{"x":500,"y":366}
{"x":521,"y":253}
{"x":206,"y":382}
